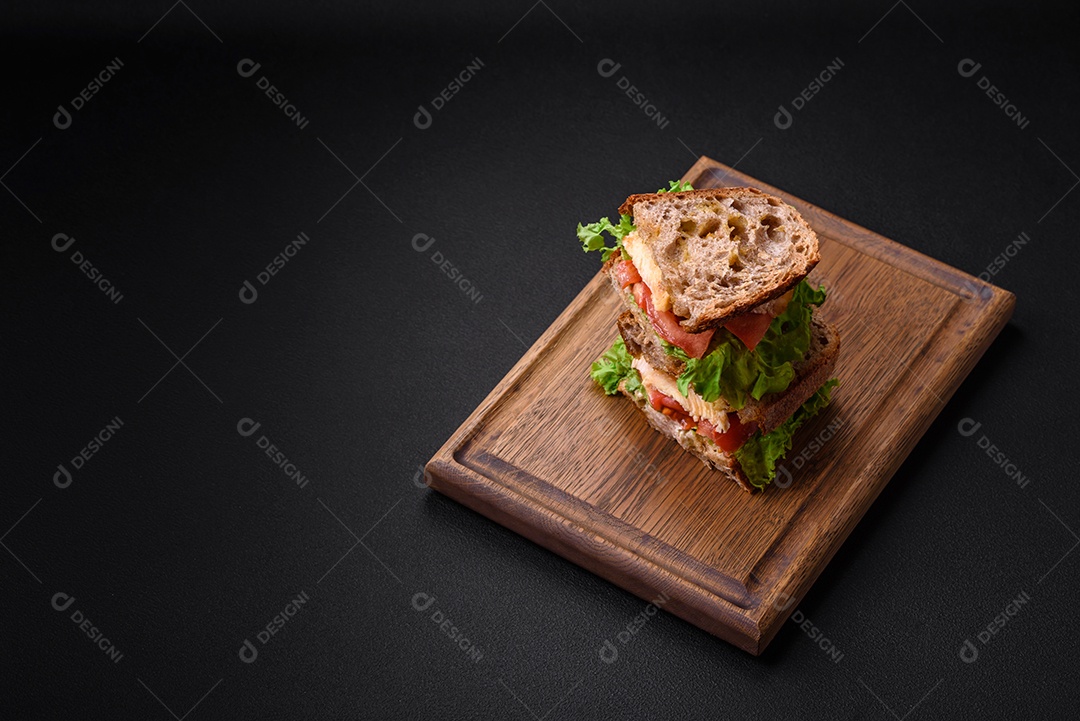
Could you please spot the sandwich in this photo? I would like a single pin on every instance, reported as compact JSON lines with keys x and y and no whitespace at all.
{"x":719,"y":343}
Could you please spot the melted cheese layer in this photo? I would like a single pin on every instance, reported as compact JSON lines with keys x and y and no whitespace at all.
{"x":715,"y":412}
{"x":647,"y":268}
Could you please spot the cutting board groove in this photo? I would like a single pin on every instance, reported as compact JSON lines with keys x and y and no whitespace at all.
{"x":549,"y":456}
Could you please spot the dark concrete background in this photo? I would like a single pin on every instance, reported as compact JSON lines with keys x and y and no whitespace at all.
{"x":179,"y":539}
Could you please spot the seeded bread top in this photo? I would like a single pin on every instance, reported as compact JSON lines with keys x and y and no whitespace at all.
{"x":722,"y":251}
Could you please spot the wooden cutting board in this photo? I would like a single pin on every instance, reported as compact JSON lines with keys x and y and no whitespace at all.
{"x":582,"y":474}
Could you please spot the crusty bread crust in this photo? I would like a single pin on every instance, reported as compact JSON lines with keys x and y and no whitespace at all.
{"x":627,"y":208}
{"x":721,"y":257}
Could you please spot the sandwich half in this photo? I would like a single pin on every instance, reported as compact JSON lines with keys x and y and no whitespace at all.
{"x":719,"y":346}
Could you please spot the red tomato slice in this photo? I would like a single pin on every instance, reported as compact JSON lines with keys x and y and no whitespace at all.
{"x":732,"y":440}
{"x":749,"y":328}
{"x":671,"y":408}
{"x":659,"y":401}
{"x":666,"y":325}
{"x":626,"y":273}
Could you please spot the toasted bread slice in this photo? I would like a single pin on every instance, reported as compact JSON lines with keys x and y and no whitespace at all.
{"x":710,"y":255}
{"x":773,"y":409}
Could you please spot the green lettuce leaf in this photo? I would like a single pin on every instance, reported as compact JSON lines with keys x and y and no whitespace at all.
{"x":735,"y":372}
{"x":773,"y":380}
{"x":612,"y":367}
{"x":592,"y":239}
{"x":730,"y":370}
{"x":676,"y":186}
{"x":788,"y":336}
{"x":591,"y":234}
{"x":758,"y":456}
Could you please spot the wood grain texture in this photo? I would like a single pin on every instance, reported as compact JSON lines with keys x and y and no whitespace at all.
{"x":549,"y":456}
